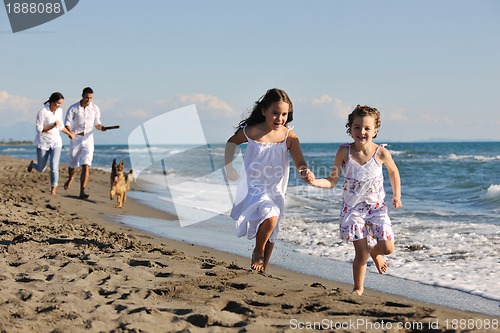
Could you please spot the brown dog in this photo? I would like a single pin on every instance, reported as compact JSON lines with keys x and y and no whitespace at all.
{"x":120,"y":183}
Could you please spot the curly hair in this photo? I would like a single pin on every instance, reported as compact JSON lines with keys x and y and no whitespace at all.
{"x":363,"y":111}
{"x":271,"y":96}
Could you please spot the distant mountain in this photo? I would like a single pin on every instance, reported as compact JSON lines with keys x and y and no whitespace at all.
{"x":18,"y":132}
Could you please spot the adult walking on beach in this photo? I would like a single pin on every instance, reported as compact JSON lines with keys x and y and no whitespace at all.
{"x":49,"y":124}
{"x":81,"y":119}
{"x":260,"y":196}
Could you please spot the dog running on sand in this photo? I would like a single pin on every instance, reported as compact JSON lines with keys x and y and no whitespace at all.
{"x":120,"y":183}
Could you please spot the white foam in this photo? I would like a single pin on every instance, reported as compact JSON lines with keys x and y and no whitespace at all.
{"x":492,"y":192}
{"x":398,"y":152}
{"x":482,"y":158}
{"x":319,"y":154}
{"x":152,"y":149}
{"x":461,"y":256}
{"x":14,"y":150}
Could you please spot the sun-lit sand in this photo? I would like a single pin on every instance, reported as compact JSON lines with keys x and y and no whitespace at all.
{"x":67,"y":268}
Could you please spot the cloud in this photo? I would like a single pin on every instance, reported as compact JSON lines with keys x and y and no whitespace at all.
{"x":342,"y":109}
{"x":210,"y":103}
{"x":204,"y":103}
{"x":14,"y":109}
{"x":396,"y":116}
{"x":435,"y":119}
{"x":136,"y":113}
{"x":216,"y":115}
{"x":108,"y":103}
{"x":322,"y":100}
{"x":399,"y":117}
{"x":333,"y":105}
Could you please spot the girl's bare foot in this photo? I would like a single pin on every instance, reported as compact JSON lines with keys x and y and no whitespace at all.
{"x":67,"y":184}
{"x":257,"y":262}
{"x":381,"y":264}
{"x":358,"y":292}
{"x":53,"y":190}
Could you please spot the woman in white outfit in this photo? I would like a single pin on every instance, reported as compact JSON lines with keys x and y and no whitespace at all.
{"x":49,"y":124}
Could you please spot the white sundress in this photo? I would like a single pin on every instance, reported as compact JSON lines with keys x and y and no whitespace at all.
{"x":261,"y":188}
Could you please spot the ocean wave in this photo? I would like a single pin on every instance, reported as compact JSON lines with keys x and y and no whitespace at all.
{"x":330,"y":154}
{"x":480,"y":158}
{"x":152,"y":150}
{"x":493,"y":192}
{"x":16,"y":150}
{"x":399,"y":152}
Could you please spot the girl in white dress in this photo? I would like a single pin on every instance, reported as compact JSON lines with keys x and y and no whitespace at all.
{"x":363,"y":216}
{"x":260,"y":197}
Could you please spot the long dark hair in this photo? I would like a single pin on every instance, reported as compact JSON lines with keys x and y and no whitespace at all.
{"x":271,"y":96}
{"x":54,"y":98}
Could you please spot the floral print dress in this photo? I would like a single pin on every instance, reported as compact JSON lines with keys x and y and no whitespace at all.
{"x":364,"y":212}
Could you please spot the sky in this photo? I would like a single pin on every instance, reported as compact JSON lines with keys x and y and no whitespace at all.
{"x":432,"y":68}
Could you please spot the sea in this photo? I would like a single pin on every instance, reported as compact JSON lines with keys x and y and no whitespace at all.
{"x":447,"y":235}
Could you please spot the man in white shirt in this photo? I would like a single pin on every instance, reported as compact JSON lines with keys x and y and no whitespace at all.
{"x":81,"y":119}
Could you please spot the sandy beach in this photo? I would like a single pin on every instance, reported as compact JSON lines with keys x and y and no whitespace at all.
{"x":68,"y":268}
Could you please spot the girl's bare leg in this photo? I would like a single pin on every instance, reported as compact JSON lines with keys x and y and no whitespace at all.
{"x":362,"y":252}
{"x":382,"y":248}
{"x":262,"y":251}
{"x":267,"y":253}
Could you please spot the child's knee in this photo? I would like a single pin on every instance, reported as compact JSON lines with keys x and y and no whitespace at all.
{"x":387,"y":247}
{"x":383,"y":247}
{"x":386,"y":252}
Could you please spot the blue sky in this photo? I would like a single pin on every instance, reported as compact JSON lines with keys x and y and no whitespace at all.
{"x":431,"y":67}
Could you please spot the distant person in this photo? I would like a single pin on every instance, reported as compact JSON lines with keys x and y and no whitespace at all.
{"x":49,"y":124}
{"x":260,"y":197}
{"x":363,"y":216}
{"x":81,"y":119}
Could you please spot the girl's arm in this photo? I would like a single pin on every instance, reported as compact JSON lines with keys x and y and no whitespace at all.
{"x":392,"y":169}
{"x":333,"y":178}
{"x":293,"y":144}
{"x":231,"y":144}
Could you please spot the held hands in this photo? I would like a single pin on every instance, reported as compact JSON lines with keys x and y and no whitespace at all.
{"x":307,"y":175}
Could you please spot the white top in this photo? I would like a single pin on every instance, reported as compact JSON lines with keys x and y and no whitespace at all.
{"x":83,"y":120}
{"x":363,"y":184}
{"x":51,"y":138}
{"x":261,"y":187}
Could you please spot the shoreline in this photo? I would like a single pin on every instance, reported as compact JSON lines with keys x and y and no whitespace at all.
{"x":69,"y":267}
{"x":287,"y":257}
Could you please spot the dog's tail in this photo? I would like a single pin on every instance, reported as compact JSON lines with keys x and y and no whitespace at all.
{"x":130,"y":177}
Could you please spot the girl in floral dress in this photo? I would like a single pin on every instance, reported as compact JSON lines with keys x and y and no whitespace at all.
{"x":363,"y":217}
